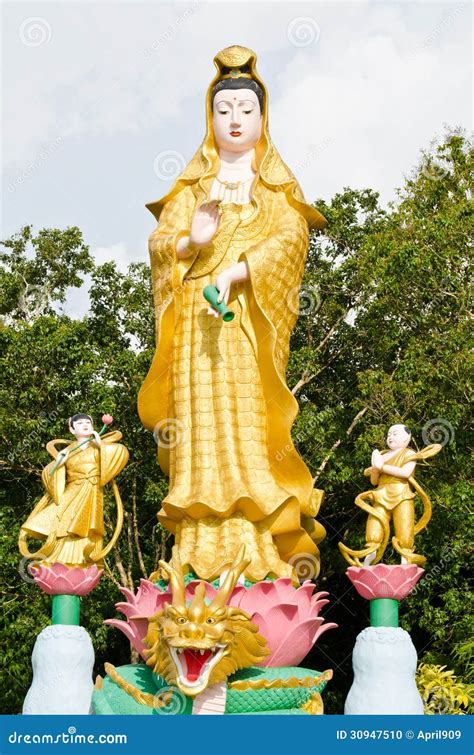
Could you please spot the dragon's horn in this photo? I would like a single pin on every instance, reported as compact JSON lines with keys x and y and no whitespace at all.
{"x":197,"y":603}
{"x":239,"y":564}
{"x":174,"y":573}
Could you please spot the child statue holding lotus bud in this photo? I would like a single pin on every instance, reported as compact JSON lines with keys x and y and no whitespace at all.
{"x":69,"y":517}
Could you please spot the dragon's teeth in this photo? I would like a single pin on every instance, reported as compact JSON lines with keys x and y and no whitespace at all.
{"x":201,"y":651}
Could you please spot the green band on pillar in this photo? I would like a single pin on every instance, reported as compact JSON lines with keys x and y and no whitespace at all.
{"x":384,"y":612}
{"x":66,"y":609}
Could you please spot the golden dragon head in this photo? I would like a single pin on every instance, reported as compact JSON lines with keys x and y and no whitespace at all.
{"x":201,"y":643}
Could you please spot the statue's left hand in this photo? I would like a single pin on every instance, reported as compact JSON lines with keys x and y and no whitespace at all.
{"x":96,"y":437}
{"x":377,"y":460}
{"x":233,"y":274}
{"x":223,"y":282}
{"x":62,"y":457}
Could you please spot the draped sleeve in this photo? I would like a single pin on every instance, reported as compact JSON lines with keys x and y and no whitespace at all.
{"x":113,"y":457}
{"x":276,"y":266}
{"x":55,"y":483}
{"x":167,"y":272}
{"x":174,"y":223}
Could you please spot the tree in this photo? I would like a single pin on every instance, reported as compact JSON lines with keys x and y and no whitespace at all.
{"x":402,"y":355}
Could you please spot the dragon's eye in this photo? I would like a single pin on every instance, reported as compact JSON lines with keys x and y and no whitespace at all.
{"x":181,"y":620}
{"x":211,"y":620}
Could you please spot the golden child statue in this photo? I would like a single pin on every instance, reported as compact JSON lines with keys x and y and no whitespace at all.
{"x":392,"y":473}
{"x":69,"y":517}
{"x":235,"y":218}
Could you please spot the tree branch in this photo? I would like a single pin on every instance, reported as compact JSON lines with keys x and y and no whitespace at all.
{"x":120,"y":566}
{"x":130,"y":550}
{"x":338,"y":442}
{"x":109,"y":573}
{"x":135,"y":528}
{"x":332,"y":330}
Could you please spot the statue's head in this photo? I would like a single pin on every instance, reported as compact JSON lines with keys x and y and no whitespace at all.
{"x":398,"y":436}
{"x":237,"y":107}
{"x":201,"y":643}
{"x":80,"y":425}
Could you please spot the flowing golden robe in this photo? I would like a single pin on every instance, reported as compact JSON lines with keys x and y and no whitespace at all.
{"x":390,"y":490}
{"x":392,"y":501}
{"x":235,"y":475}
{"x":69,"y":517}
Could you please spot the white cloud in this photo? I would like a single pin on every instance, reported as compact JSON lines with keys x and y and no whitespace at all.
{"x":123,"y":82}
{"x":117,"y":253}
{"x":371,"y":98}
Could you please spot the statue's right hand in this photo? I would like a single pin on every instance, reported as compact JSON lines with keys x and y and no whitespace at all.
{"x":205,"y":223}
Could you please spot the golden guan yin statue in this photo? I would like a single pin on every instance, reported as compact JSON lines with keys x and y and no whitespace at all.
{"x":216,"y":396}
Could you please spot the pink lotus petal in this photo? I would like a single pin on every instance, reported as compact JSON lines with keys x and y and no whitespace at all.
{"x":135,"y":631}
{"x":318,"y":595}
{"x":59,"y":579}
{"x":124,"y":627}
{"x":317,"y":605}
{"x":279,"y":624}
{"x":128,"y":594}
{"x":278,"y":615}
{"x":128,"y":609}
{"x":384,"y":580}
{"x":321,"y":629}
{"x":260,"y":596}
{"x":262,"y":625}
{"x":293,"y":648}
{"x":303,"y":597}
{"x":282,"y":587}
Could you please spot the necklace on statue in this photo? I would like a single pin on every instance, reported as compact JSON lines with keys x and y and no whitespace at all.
{"x":232,"y":191}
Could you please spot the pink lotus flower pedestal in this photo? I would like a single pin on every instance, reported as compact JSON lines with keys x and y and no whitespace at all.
{"x":384,"y":658}
{"x":288,"y":617}
{"x":384,"y":586}
{"x":63,"y":655}
{"x":66,"y":585}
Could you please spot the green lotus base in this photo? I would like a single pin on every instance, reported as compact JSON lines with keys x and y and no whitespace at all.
{"x":110,"y":698}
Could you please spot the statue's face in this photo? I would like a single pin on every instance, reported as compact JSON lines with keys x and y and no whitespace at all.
{"x":397,"y":437}
{"x":237,"y":119}
{"x":82,"y":428}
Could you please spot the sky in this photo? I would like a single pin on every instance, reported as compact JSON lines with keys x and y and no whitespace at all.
{"x":103,"y":102}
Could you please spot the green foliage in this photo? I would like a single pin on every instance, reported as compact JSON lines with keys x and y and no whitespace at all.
{"x":382,"y":338}
{"x":442,"y":692}
{"x":386,"y":341}
{"x":37,"y":270}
